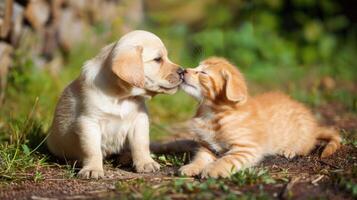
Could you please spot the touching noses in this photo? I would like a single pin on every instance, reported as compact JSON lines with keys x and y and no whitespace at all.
{"x":181,"y":72}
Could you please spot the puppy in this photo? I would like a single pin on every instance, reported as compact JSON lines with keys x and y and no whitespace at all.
{"x":103,"y":110}
{"x":236,"y":131}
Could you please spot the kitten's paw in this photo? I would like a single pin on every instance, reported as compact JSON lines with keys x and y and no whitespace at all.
{"x":190,"y":170}
{"x":88,"y":172}
{"x":215,"y":170}
{"x":147,"y":166}
{"x":288,"y":154}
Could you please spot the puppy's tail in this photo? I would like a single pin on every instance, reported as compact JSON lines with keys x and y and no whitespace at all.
{"x":332,"y":137}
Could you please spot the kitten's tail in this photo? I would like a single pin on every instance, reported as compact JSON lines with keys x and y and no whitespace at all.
{"x":332,"y":137}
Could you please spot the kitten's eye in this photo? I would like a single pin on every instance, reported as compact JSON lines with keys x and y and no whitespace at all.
{"x":158,"y":59}
{"x":203,"y":72}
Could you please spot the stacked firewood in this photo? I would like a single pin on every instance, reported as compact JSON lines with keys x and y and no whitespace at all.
{"x":48,"y":29}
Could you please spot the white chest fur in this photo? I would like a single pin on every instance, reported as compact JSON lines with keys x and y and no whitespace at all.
{"x":116,"y":119}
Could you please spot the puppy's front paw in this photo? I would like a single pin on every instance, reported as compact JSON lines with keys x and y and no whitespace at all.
{"x":190,"y":170}
{"x":88,"y":172}
{"x":215,"y":170}
{"x":147,"y":166}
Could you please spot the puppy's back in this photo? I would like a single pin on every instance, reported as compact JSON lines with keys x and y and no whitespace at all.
{"x":64,"y":122}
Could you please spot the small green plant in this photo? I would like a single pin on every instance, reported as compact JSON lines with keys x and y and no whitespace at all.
{"x":354,"y":143}
{"x":252,"y":176}
{"x":172,"y":159}
{"x":184,"y":188}
{"x":37,"y":176}
{"x":70,"y":170}
{"x":140,"y":189}
{"x":347,"y":180}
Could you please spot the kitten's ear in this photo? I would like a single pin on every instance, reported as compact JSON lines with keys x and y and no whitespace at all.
{"x":128,"y":65}
{"x":235,"y":87}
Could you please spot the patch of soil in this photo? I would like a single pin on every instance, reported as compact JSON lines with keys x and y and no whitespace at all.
{"x":55,"y":185}
{"x":311,"y":175}
{"x":307,"y":177}
{"x":336,"y":114}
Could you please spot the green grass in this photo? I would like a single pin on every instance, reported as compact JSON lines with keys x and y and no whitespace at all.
{"x":173,"y":159}
{"x":346,"y":180}
{"x":17,"y":157}
{"x":197,"y":189}
{"x":252,"y":176}
{"x":27,"y":112}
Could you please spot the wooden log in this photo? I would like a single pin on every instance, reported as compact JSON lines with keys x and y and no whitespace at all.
{"x":86,"y":9}
{"x":30,"y":43}
{"x":37,"y":13}
{"x":135,"y":12}
{"x":5,"y":17}
{"x":50,"y":35}
{"x":17,"y":23}
{"x":50,"y":41}
{"x":5,"y":61}
{"x":125,"y":14}
{"x":71,"y":29}
{"x":56,"y":10}
{"x":109,"y":11}
{"x":78,"y":5}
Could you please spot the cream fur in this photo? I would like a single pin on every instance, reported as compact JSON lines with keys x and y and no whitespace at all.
{"x":99,"y":113}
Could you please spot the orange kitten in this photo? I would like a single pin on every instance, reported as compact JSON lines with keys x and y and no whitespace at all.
{"x":236,"y":131}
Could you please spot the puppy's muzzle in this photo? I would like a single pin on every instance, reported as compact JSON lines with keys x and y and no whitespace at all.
{"x":175,"y":77}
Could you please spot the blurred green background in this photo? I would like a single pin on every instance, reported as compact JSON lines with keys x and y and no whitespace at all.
{"x":305,"y":48}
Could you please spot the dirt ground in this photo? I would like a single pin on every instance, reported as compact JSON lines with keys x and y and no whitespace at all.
{"x":303,"y":177}
{"x":308,"y":177}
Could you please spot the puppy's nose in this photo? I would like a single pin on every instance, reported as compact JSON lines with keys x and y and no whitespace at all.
{"x":181,"y":72}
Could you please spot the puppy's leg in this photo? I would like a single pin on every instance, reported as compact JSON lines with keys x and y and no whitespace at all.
{"x":202,"y":159}
{"x":139,"y":142}
{"x":90,"y":141}
{"x":236,"y":159}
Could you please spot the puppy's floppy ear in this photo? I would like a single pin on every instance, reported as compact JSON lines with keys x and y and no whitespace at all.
{"x":128,"y":65}
{"x":235,"y":87}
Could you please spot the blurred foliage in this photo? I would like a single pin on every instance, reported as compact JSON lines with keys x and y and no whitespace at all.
{"x":290,"y":45}
{"x":262,"y":33}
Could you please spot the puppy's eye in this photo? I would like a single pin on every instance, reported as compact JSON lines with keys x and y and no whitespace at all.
{"x":158,"y":59}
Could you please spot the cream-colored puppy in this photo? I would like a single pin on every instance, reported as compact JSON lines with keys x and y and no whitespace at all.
{"x":103,"y":109}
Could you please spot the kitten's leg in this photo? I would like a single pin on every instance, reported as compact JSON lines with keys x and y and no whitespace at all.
{"x":287,"y":153}
{"x":236,"y":159}
{"x":202,"y":158}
